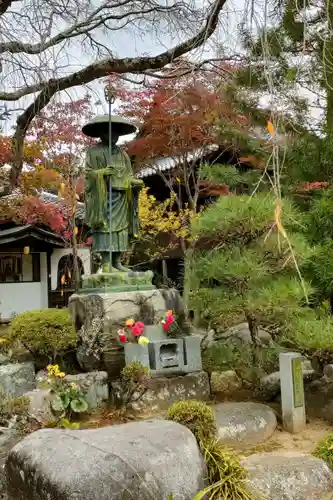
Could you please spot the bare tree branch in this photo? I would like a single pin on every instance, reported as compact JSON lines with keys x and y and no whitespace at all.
{"x":4,"y":5}
{"x":145,"y":65}
{"x":77,"y":29}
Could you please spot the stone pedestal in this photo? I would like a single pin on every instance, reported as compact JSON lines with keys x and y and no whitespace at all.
{"x":118,"y":282}
{"x":292,"y":392}
{"x":99,"y":313}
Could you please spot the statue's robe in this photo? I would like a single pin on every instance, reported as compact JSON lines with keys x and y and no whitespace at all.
{"x":124,"y":205}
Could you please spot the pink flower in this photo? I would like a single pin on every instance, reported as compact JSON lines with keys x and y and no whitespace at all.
{"x":169,"y":320}
{"x":139,"y":324}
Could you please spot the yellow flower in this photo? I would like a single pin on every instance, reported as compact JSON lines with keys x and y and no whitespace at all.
{"x":2,"y":340}
{"x":74,"y":386}
{"x":143,"y":340}
{"x":169,"y":313}
{"x":60,"y":374}
{"x":129,"y":323}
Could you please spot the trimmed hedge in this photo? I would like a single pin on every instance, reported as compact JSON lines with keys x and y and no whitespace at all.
{"x":47,"y":332}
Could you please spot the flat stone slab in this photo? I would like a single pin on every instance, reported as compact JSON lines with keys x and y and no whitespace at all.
{"x":164,"y":391}
{"x":288,"y":476}
{"x":145,"y":460}
{"x":244,"y":424}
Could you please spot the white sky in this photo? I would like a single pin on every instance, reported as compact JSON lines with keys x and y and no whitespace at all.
{"x":129,"y":44}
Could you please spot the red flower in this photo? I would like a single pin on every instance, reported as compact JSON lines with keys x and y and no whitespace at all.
{"x":140,"y":324}
{"x":123,"y":338}
{"x":165,"y":326}
{"x":137,"y":329}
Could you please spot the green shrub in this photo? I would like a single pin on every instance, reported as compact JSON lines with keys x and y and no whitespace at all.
{"x":47,"y":332}
{"x":225,"y":474}
{"x":222,"y":356}
{"x":195,"y":415}
{"x":324,"y":450}
{"x":134,"y":382}
{"x":12,"y":406}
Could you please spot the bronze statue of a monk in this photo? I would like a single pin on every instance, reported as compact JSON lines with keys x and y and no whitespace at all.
{"x":125,"y":189}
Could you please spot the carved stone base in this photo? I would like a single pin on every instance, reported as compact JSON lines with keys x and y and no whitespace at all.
{"x":117,"y":281}
{"x":98,"y":316}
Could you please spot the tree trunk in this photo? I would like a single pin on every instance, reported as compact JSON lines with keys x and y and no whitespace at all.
{"x":331,"y":304}
{"x":253,"y":323}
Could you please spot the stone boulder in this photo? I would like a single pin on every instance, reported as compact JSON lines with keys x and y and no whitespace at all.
{"x":40,"y":405}
{"x":162,"y":392}
{"x":8,"y":439}
{"x":319,"y":399}
{"x":244,"y":424}
{"x":269,"y":385}
{"x":16,"y":379}
{"x":288,"y":476}
{"x":95,"y":386}
{"x":4,"y":360}
{"x":240,"y":334}
{"x":225,"y":382}
{"x":144,"y":460}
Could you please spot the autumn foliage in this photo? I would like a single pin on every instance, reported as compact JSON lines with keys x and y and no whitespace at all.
{"x":177,"y":117}
{"x":53,"y":147}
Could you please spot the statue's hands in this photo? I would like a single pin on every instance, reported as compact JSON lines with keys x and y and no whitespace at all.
{"x":138,"y":183}
{"x":109,"y":170}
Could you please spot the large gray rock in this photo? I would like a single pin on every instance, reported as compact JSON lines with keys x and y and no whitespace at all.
{"x":4,"y":360}
{"x":94,"y":385}
{"x":269,"y":386}
{"x":142,"y":460}
{"x":319,"y":399}
{"x":244,"y":424}
{"x":16,"y":379}
{"x":240,"y":334}
{"x":8,"y":439}
{"x":40,"y":405}
{"x":288,"y":476}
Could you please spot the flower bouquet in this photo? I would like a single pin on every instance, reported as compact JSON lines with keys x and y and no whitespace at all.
{"x":134,"y":330}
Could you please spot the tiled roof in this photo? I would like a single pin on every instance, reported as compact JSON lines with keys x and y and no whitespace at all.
{"x":19,"y":232}
{"x":47,"y":197}
{"x":167,"y":164}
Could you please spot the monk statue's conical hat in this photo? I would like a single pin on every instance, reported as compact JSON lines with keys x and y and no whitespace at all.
{"x":99,"y":125}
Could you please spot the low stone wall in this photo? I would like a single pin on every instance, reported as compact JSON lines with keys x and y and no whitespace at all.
{"x":147,"y":460}
{"x":163,"y":391}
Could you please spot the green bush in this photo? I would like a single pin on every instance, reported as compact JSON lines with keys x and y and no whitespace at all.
{"x":12,"y":406}
{"x":225,"y":473}
{"x":47,"y":332}
{"x":195,"y":415}
{"x":324,"y":450}
{"x":222,"y":356}
{"x":134,"y":382}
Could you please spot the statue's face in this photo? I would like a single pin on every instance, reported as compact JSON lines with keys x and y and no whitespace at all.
{"x":114,"y":137}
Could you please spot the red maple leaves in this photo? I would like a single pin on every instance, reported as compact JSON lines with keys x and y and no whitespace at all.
{"x":54,"y":142}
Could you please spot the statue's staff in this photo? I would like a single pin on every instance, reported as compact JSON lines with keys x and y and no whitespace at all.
{"x":110,"y":98}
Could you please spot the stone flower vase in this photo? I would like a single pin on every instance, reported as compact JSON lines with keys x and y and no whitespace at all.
{"x":154,"y":332}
